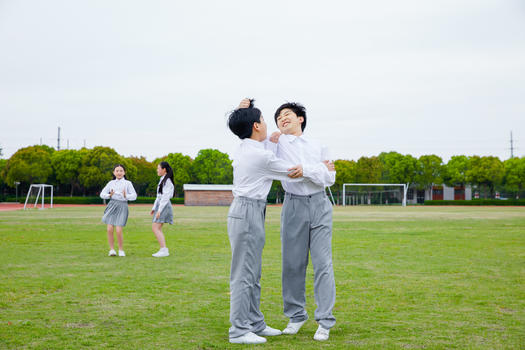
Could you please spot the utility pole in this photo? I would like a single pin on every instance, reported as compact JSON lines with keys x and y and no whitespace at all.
{"x":84,"y":143}
{"x":511,"y":146}
{"x":58,"y":139}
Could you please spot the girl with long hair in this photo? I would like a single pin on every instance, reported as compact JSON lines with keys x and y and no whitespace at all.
{"x":162,"y":210}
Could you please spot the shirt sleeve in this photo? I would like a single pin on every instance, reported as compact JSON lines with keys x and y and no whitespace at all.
{"x":131,"y":194}
{"x":167,"y":193}
{"x":277,"y":169}
{"x":318,"y":173}
{"x":270,"y":146}
{"x":104,"y":194}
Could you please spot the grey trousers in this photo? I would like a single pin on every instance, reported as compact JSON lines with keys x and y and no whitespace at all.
{"x":306,"y":227}
{"x":247,"y":238}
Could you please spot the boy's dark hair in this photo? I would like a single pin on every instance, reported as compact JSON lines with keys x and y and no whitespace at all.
{"x":297,"y":108}
{"x":241,"y":120}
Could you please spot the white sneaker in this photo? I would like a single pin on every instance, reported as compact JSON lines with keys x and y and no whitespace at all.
{"x":322,"y":334}
{"x":269,"y":332}
{"x":163,"y":252}
{"x":121,"y":253}
{"x":112,"y":252}
{"x":293,"y":327}
{"x":248,"y":338}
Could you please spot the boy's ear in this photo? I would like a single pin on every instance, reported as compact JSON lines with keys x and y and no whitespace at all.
{"x":301,"y":119}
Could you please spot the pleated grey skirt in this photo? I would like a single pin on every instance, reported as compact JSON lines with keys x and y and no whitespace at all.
{"x":166,"y":215}
{"x":116,"y":213}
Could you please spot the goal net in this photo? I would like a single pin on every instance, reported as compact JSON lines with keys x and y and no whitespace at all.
{"x":37,"y":193}
{"x":374,"y":194}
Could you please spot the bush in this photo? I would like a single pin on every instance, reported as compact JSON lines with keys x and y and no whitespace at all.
{"x":477,"y":202}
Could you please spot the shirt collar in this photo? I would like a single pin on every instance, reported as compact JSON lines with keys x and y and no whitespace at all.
{"x":292,"y":138}
{"x":253,"y":143}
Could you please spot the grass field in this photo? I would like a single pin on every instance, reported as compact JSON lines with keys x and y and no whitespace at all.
{"x":416,"y":277}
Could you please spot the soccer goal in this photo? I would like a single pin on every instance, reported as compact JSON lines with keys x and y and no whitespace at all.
{"x":374,"y":194}
{"x":37,"y":191}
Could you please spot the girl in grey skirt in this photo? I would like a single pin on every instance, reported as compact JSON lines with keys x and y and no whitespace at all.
{"x":119,"y":191}
{"x":162,"y":210}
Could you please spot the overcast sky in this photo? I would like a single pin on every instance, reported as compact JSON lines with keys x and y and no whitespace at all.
{"x":154,"y":77}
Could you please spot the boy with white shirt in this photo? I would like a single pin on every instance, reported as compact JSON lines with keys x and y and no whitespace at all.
{"x":306,"y":227}
{"x":254,"y":169}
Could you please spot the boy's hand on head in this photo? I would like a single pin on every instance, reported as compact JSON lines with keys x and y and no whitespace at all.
{"x":245,"y":103}
{"x":329,"y":165}
{"x":275,"y":136}
{"x":296,"y":171}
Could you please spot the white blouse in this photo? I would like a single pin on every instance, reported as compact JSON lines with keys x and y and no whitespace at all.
{"x":167,"y":192}
{"x":118,"y":187}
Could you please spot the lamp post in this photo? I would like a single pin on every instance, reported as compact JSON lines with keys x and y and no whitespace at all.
{"x":16,"y":184}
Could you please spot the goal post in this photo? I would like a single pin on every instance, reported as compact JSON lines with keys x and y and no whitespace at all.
{"x":40,"y":191}
{"x":363,"y":192}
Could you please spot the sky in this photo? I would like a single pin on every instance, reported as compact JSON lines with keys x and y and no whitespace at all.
{"x":153,"y":77}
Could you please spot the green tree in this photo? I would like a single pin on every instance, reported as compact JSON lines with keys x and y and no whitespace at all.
{"x":97,"y":167}
{"x":398,"y":168}
{"x":276,"y":191}
{"x":345,"y":173}
{"x":485,"y":173}
{"x":146,"y":179}
{"x":29,"y":165}
{"x":455,"y":171}
{"x":428,"y":171}
{"x":212,"y":167}
{"x":66,"y":164}
{"x":514,"y":175}
{"x":368,"y":170}
{"x":181,"y":165}
{"x":3,"y":163}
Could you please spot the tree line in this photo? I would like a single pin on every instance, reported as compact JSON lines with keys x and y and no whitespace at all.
{"x":86,"y":171}
{"x":486,"y":174}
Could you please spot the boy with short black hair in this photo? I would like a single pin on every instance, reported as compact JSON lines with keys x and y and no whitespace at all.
{"x":254,"y":169}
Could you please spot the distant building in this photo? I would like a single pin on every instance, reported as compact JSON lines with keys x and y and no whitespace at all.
{"x":210,"y":195}
{"x":439,"y":192}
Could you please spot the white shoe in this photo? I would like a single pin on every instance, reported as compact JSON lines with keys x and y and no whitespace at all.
{"x":248,"y":338}
{"x":112,"y":252}
{"x":293,"y":327}
{"x":269,"y":332}
{"x":322,"y":334}
{"x":163,"y":252}
{"x":121,"y":253}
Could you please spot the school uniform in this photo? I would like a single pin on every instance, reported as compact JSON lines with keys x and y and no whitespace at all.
{"x":306,"y":228}
{"x":254,"y":169}
{"x":116,"y":212}
{"x":163,"y":204}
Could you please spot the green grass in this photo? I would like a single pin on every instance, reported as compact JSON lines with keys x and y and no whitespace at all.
{"x":416,"y":277}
